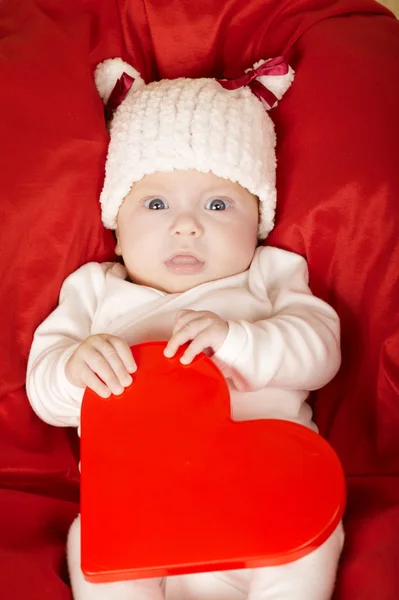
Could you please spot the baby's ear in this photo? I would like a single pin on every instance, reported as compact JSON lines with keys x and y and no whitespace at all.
{"x":118,"y":250}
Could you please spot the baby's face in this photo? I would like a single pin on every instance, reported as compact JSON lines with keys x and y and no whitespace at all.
{"x":180,"y":229}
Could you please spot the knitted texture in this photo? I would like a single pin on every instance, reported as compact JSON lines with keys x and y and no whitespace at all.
{"x":187,"y":124}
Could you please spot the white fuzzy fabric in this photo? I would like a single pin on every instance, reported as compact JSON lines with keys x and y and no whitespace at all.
{"x":278,"y":84}
{"x":187,"y":124}
{"x":109,"y":71}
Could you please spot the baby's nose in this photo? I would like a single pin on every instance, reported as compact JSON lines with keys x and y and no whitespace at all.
{"x":187,"y":225}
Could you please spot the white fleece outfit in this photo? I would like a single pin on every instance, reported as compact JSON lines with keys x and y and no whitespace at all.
{"x":282,"y":343}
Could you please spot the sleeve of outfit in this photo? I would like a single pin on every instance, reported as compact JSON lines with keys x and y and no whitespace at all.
{"x":54,"y":399}
{"x":298,"y":346}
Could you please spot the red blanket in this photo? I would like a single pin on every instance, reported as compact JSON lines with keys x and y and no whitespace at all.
{"x":338,"y":185}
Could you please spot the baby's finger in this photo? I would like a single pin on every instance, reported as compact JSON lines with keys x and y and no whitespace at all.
{"x":124,"y":353}
{"x":109,"y":350}
{"x":184,"y":313}
{"x":184,"y":317}
{"x":200,"y":342}
{"x":91,"y":381}
{"x":187,"y":332}
{"x":117,"y":353}
{"x":101,"y":367}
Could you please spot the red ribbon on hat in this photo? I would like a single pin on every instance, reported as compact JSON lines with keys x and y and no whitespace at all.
{"x":275,"y":66}
{"x":118,"y":94}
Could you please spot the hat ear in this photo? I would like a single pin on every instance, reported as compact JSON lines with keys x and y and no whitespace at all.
{"x":109,"y":71}
{"x":277,"y":84}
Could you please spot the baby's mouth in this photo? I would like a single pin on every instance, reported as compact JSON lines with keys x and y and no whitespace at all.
{"x":184,"y":264}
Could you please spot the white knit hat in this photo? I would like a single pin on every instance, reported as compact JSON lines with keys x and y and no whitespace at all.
{"x":184,"y":124}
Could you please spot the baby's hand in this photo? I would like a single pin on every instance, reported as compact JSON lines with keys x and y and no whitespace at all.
{"x":203,"y":329}
{"x":101,"y":356}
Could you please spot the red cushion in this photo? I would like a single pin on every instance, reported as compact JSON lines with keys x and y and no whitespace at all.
{"x":338,"y":187}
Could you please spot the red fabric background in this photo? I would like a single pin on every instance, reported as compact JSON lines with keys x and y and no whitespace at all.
{"x":338,"y":186}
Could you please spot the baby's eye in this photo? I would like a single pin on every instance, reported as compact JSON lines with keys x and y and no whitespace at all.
{"x":156,"y":204}
{"x":217,"y":204}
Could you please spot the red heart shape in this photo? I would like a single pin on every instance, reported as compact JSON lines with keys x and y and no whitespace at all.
{"x":170,"y":484}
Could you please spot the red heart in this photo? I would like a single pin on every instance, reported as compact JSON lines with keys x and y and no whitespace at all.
{"x":170,"y":484}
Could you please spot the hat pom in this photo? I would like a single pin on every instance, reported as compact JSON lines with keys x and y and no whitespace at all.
{"x":109,"y":71}
{"x":277,"y":84}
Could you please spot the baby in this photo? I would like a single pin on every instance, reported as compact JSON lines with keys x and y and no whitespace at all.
{"x":190,"y":190}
